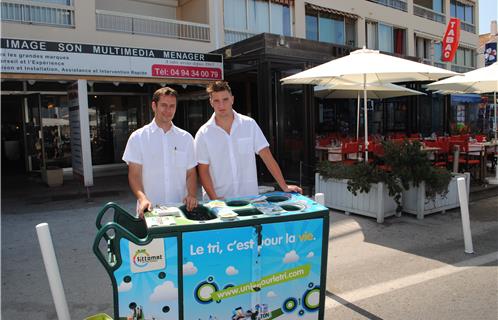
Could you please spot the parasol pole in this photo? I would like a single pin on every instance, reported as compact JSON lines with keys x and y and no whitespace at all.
{"x":495,"y":126}
{"x":366,"y":114}
{"x":358,"y":117}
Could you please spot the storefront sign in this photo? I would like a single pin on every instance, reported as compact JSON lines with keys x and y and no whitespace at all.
{"x":80,"y":132}
{"x":45,"y":57}
{"x":451,"y":40}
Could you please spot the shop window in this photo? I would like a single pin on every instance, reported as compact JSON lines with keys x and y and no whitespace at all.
{"x":386,"y":38}
{"x":312,"y":27}
{"x":243,"y":18}
{"x":112,"y":120}
{"x":462,"y":11}
{"x":330,"y":28}
{"x":434,"y":5}
{"x":465,"y":57}
{"x":56,"y":132}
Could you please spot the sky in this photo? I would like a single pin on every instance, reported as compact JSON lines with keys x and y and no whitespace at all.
{"x":488,"y":10}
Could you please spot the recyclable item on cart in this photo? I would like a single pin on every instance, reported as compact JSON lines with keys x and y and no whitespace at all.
{"x":225,"y":213}
{"x":269,"y":208}
{"x":100,"y":316}
{"x":215,"y":204}
{"x":167,"y":211}
{"x":160,"y":221}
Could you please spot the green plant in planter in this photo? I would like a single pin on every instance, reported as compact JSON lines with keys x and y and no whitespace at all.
{"x":408,"y":164}
{"x":361,"y":176}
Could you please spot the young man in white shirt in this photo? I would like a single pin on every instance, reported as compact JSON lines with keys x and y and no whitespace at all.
{"x":160,"y":158}
{"x":225,"y":149}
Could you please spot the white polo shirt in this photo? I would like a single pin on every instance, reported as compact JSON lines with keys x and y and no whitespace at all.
{"x":231,"y":157}
{"x":165,"y":159}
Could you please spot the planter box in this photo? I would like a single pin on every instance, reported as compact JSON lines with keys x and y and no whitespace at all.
{"x":376,"y":204}
{"x":415,"y":202}
{"x":53,"y":176}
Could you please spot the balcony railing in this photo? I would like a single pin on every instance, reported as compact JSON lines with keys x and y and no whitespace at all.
{"x":467,"y":27}
{"x":396,"y":4}
{"x":151,"y":26}
{"x":461,"y":69}
{"x":38,"y":13}
{"x":440,"y":64}
{"x":434,"y":63}
{"x":428,"y":14}
{"x":232,"y":36}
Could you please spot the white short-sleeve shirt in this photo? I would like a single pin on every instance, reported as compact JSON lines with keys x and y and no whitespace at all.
{"x":231,"y":157}
{"x":165,"y":159}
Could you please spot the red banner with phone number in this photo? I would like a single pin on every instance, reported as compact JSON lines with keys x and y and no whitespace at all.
{"x":186,"y":72}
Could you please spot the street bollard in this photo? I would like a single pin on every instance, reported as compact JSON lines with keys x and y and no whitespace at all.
{"x":464,"y":210}
{"x":320,"y":198}
{"x":52,"y":269}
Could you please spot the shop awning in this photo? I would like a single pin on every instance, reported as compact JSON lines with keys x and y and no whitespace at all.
{"x":284,"y":2}
{"x":331,"y":11}
{"x":465,"y":98}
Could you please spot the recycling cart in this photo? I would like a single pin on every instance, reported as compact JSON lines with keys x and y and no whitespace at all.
{"x":260,"y":257}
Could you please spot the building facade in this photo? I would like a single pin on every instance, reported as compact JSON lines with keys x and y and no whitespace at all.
{"x":35,"y":109}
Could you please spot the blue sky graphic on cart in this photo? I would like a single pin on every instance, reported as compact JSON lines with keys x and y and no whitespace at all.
{"x":147,"y":279}
{"x":224,"y":277}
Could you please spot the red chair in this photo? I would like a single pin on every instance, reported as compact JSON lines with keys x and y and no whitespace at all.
{"x":350,"y":148}
{"x":480,"y":137}
{"x":415,"y":135}
{"x":378,"y":151}
{"x":440,"y":156}
{"x":467,"y":160}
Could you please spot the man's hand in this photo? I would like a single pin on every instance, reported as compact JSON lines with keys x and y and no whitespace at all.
{"x":190,"y":202}
{"x":143,"y":205}
{"x":293,"y":188}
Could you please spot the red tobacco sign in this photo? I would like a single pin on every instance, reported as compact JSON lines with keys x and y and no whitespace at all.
{"x":451,"y":40}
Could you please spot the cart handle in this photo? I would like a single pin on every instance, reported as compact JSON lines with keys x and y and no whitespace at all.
{"x":120,"y":232}
{"x":117,"y":211}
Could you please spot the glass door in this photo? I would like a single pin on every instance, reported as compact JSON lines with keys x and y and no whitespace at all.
{"x":56,"y":135}
{"x":34,"y":134}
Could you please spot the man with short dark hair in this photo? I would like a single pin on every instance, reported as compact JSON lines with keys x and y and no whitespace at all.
{"x":225,"y":150}
{"x":160,"y":158}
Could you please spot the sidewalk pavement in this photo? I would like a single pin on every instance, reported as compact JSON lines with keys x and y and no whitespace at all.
{"x":402,"y":269}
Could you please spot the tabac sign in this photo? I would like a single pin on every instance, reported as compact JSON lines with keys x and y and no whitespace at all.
{"x":451,"y":40}
{"x":65,"y":58}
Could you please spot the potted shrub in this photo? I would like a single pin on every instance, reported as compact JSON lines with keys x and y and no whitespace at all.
{"x":426,"y":189}
{"x":361,"y":188}
{"x":365,"y":189}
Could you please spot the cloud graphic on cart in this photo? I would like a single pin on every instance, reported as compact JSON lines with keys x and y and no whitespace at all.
{"x":291,"y":256}
{"x":125,"y":286}
{"x":231,"y":271}
{"x":310,"y":255}
{"x":189,"y":269}
{"x":165,"y":291}
{"x":271,"y":294}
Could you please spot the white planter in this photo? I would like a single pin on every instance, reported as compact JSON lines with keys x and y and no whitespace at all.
{"x":376,"y":204}
{"x":415,"y":202}
{"x":53,"y":177}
